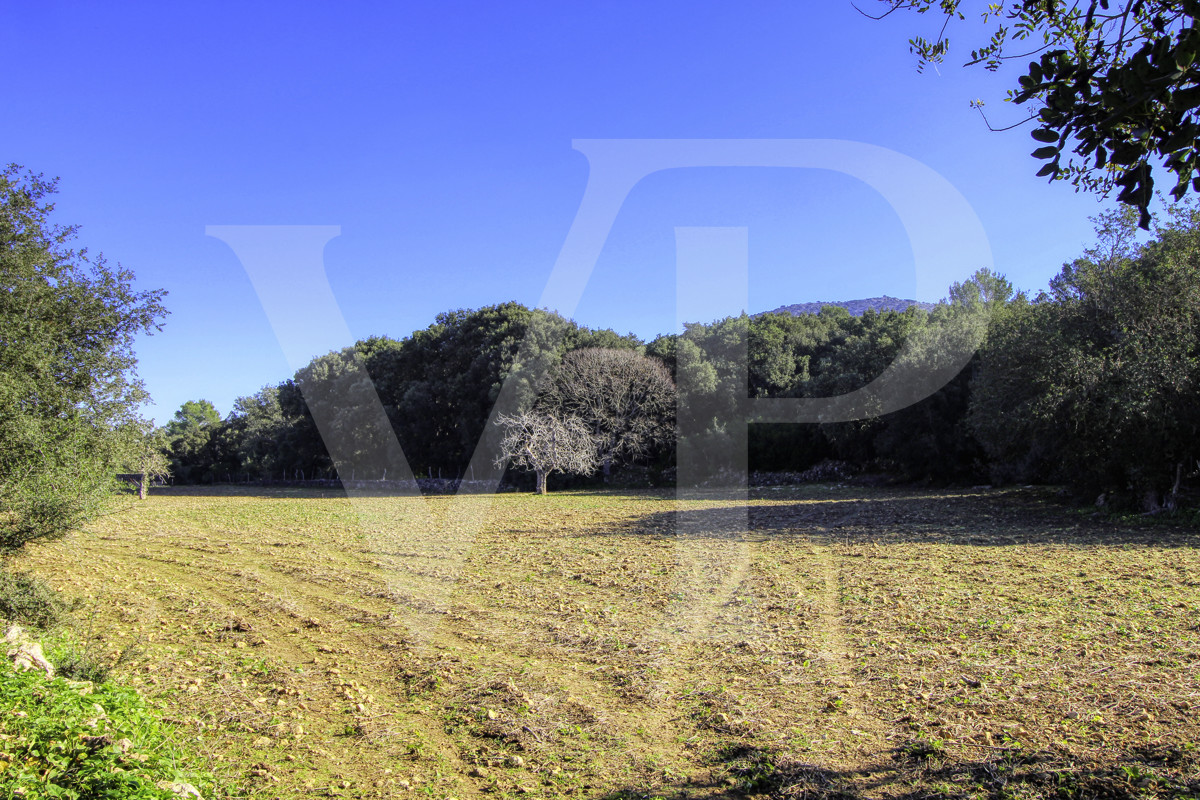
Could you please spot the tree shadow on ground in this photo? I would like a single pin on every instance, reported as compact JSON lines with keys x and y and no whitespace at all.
{"x":988,"y":518}
{"x":243,"y":490}
{"x":920,"y":769}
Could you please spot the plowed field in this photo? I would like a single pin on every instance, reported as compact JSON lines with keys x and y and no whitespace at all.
{"x":849,"y":642}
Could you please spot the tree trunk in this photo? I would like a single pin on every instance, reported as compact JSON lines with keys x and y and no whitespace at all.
{"x":1174,"y":495}
{"x":142,"y":487}
{"x":541,"y":481}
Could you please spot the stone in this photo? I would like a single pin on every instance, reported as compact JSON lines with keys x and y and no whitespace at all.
{"x":25,"y":653}
{"x":180,"y":788}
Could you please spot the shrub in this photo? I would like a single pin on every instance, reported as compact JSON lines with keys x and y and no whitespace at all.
{"x":27,"y":600}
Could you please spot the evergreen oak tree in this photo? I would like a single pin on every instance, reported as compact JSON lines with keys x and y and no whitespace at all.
{"x":68,"y":392}
{"x":1112,"y":89}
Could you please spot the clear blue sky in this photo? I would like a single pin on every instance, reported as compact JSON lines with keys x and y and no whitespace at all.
{"x":439,"y":137}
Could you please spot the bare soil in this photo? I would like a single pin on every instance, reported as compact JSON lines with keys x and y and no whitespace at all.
{"x":848,"y":642}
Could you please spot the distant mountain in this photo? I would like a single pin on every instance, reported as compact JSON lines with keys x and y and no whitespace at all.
{"x":855,"y":307}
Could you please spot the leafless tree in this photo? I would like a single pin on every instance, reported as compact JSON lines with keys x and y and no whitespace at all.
{"x":626,"y":399}
{"x":546,"y":443}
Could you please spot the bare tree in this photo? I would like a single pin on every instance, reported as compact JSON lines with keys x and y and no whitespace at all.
{"x":146,"y":456}
{"x":626,"y":399}
{"x":546,"y":443}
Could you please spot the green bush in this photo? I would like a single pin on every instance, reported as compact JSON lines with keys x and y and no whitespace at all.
{"x":85,"y":664}
{"x":27,"y":600}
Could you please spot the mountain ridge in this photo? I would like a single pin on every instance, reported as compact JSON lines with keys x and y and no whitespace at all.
{"x":855,"y":307}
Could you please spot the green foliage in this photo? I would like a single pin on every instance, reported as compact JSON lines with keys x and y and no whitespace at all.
{"x":261,"y":432}
{"x":437,"y":388}
{"x":339,"y":403}
{"x":439,"y":385}
{"x":193,"y":439}
{"x":865,"y":348}
{"x":86,"y":664}
{"x":1114,"y":86}
{"x":783,"y":350}
{"x":193,"y":415}
{"x":63,"y":741}
{"x":1094,"y":383}
{"x":930,"y":439}
{"x":710,"y":373}
{"x":68,"y":393}
{"x":1097,"y":382}
{"x":924,"y":748}
{"x":1009,"y":390}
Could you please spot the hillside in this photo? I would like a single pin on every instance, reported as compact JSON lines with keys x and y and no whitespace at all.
{"x":855,"y":307}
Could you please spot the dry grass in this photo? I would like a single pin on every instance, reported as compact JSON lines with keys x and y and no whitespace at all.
{"x":848,"y":643}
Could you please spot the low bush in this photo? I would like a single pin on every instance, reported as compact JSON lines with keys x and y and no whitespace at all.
{"x":75,"y":741}
{"x":27,"y":600}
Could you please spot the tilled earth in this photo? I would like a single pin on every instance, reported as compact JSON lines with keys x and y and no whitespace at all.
{"x":840,"y":642}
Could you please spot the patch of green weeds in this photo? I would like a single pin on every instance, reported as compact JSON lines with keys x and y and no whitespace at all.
{"x":257,"y":667}
{"x":78,"y":741}
{"x":923,"y":748}
{"x":77,"y":653}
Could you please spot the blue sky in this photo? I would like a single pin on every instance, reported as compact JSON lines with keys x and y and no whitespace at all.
{"x":439,"y":137}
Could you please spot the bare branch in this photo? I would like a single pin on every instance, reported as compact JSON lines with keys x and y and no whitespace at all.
{"x":546,"y":444}
{"x":887,"y":13}
{"x":979,"y":107}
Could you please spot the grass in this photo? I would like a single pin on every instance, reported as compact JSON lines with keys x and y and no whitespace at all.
{"x":842,"y":642}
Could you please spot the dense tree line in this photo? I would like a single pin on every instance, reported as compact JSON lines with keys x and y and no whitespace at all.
{"x":437,"y":388}
{"x":1093,"y":383}
{"x":1096,"y":382}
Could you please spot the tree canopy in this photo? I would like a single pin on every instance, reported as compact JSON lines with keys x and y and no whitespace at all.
{"x":193,"y":438}
{"x":1113,"y":88}
{"x":1096,"y":382}
{"x":68,"y":391}
{"x":626,"y":399}
{"x":546,"y":443}
{"x":1092,"y":383}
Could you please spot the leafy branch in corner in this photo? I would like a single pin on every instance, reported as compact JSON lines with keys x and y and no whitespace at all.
{"x":1113,"y":86}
